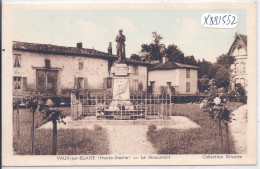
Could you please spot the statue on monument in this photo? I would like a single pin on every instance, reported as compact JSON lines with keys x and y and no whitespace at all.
{"x":120,"y":47}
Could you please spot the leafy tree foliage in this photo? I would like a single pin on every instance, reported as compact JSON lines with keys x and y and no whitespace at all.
{"x":206,"y":69}
{"x":218,"y":72}
{"x":155,"y":51}
{"x":174,"y":54}
{"x":190,"y":60}
{"x":203,"y":84}
{"x":222,"y":77}
{"x":135,"y":57}
{"x":225,"y":60}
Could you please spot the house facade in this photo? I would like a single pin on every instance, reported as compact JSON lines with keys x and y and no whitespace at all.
{"x":238,"y":50}
{"x":57,"y":70}
{"x":178,"y":78}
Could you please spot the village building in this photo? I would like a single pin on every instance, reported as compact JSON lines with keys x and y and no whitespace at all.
{"x":56,"y":70}
{"x":177,"y":78}
{"x":238,"y":50}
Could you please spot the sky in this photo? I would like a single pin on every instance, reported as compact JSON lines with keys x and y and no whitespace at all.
{"x":96,"y":28}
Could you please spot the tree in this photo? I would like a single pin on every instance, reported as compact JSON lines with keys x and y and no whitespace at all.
{"x":33,"y":104}
{"x":240,"y":93}
{"x":190,"y":60}
{"x":54,"y":115}
{"x":135,"y":57}
{"x":155,"y":50}
{"x":174,"y":54}
{"x":225,"y":60}
{"x":222,"y":77}
{"x":206,"y":69}
{"x":203,"y":83}
{"x":157,"y":37}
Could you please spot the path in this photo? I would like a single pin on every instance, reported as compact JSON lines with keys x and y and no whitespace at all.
{"x":238,"y":129}
{"x":129,"y":139}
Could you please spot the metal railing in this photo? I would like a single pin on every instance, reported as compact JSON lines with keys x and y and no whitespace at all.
{"x":138,"y":106}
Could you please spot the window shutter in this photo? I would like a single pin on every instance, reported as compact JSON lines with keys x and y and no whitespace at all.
{"x":85,"y":83}
{"x":24,"y":83}
{"x":14,"y":83}
{"x":104,"y":83}
{"x":75,"y":83}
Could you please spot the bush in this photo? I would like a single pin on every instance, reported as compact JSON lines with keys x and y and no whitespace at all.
{"x":98,"y":128}
{"x":203,"y":140}
{"x":152,"y":127}
{"x":238,"y":94}
{"x":151,"y":134}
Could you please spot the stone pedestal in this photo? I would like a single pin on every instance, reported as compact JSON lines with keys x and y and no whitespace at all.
{"x":121,"y":94}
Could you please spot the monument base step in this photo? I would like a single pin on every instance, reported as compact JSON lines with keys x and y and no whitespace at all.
{"x":86,"y":122}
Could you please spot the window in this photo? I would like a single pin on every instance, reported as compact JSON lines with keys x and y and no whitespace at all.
{"x":187,"y":73}
{"x":17,"y":60}
{"x":237,"y":68}
{"x":237,"y":81}
{"x":47,"y":63}
{"x":135,"y":70}
{"x":81,"y":65}
{"x":187,"y":86}
{"x":135,"y":85}
{"x":140,"y":87}
{"x":109,"y":82}
{"x":80,"y":83}
{"x":242,"y":67}
{"x":110,"y":64}
{"x":242,"y":80}
{"x":17,"y":83}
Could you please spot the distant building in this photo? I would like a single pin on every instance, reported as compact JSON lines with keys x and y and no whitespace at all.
{"x":175,"y":77}
{"x":55,"y":70}
{"x":238,"y":49}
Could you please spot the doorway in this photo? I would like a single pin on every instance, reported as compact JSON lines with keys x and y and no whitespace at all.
{"x":46,"y":81}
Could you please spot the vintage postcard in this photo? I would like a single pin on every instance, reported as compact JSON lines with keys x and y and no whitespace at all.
{"x":129,"y":84}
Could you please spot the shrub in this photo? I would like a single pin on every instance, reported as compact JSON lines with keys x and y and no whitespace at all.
{"x":98,"y":128}
{"x":152,"y":127}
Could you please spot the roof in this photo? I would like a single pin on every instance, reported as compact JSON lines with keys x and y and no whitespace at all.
{"x":63,"y":50}
{"x":133,"y":61}
{"x":59,"y":50}
{"x":170,"y":66}
{"x":238,"y":37}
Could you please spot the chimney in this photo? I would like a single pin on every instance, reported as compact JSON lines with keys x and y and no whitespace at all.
{"x":109,"y":49}
{"x":79,"y":45}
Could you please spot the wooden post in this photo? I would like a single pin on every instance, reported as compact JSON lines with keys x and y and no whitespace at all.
{"x":227,"y":139}
{"x":154,"y":99}
{"x":18,"y":122}
{"x":54,"y":137}
{"x":220,"y":132}
{"x":121,"y":111}
{"x":96,"y":105}
{"x":162,"y":108}
{"x":71,"y":106}
{"x":145,"y":106}
{"x":170,"y":104}
{"x":32,"y":131}
{"x":150,"y":104}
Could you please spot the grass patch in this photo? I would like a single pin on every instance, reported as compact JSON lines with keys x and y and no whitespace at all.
{"x":204,"y":140}
{"x":70,"y":141}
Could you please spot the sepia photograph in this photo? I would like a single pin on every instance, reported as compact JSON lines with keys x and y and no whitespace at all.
{"x":128,"y":84}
